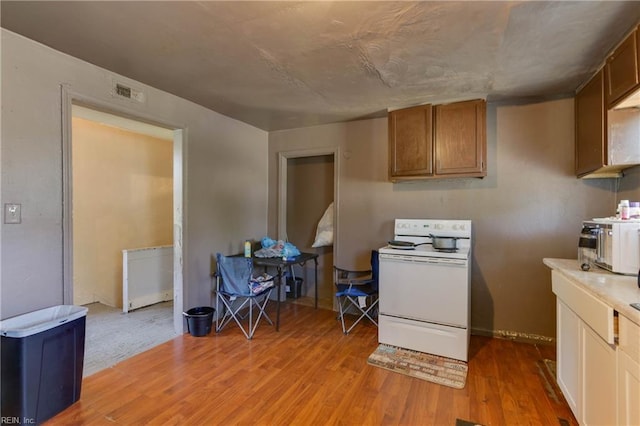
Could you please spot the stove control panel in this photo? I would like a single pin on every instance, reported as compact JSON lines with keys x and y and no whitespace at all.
{"x":439,"y":227}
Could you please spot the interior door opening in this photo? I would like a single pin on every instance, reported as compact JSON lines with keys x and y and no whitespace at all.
{"x":121,"y":210}
{"x":171,"y":185}
{"x":308,"y":184}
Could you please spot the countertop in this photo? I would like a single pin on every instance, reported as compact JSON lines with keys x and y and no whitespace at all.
{"x":617,"y":291}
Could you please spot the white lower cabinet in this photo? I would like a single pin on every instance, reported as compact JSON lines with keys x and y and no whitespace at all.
{"x":629,"y":390}
{"x":586,"y":359}
{"x":586,"y":370}
{"x":568,"y":355}
{"x":598,"y":379}
{"x":598,"y":350}
{"x":629,"y":373}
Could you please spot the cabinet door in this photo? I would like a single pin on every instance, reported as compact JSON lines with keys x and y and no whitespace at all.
{"x":460,"y":139}
{"x":628,"y":372}
{"x":622,"y":70}
{"x":628,"y":390}
{"x":591,"y":135}
{"x":568,"y":356}
{"x":598,"y":379}
{"x":411,"y":142}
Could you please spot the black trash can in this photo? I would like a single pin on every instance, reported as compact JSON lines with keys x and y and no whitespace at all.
{"x":199,"y":320}
{"x":42,"y":355}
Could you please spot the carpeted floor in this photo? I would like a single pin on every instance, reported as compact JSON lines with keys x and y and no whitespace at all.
{"x":112,"y":336}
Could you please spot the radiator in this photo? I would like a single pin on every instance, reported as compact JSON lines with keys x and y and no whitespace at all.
{"x":147,"y":276}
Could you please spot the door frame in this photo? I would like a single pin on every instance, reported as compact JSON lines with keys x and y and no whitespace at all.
{"x":70,"y":97}
{"x":283,"y":159}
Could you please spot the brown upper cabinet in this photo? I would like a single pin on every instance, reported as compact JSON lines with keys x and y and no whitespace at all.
{"x":440,"y":141}
{"x":622,"y":71}
{"x":460,"y":147}
{"x":591,"y":134}
{"x":606,"y":121}
{"x":411,"y":142}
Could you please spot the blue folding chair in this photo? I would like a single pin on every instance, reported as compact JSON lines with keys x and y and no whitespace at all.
{"x":358,"y":290}
{"x":241,"y":294}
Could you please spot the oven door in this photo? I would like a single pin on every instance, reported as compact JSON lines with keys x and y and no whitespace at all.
{"x":425,"y":289}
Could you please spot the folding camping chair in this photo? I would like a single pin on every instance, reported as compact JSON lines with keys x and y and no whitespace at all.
{"x":356,"y":289}
{"x":240,"y":293}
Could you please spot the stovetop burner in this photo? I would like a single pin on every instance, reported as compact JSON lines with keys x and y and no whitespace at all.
{"x":452,"y":250}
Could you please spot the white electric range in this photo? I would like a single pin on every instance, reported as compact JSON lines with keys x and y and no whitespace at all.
{"x":424,"y":292}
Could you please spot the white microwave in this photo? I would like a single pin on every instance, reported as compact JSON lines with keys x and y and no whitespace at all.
{"x":618,"y":244}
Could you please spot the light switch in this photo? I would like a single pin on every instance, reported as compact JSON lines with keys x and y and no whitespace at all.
{"x":12,"y":213}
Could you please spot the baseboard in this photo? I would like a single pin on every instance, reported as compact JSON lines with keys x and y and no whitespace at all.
{"x":514,"y":335}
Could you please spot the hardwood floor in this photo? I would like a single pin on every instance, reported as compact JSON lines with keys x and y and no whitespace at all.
{"x":310,"y":373}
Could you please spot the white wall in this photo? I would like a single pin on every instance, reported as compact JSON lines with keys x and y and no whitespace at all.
{"x":225,"y":173}
{"x":529,"y":206}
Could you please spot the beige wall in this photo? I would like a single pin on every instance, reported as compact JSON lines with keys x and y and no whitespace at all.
{"x":122,"y":199}
{"x":529,"y":206}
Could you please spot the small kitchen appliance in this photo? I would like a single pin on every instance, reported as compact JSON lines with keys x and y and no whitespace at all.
{"x":587,"y":245}
{"x":425,"y":291}
{"x":617,"y":244}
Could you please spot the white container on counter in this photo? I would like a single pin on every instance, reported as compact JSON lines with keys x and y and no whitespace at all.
{"x":624,"y":209}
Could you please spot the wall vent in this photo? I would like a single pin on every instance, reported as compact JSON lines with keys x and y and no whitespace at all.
{"x":123,"y":91}
{"x":126,"y":92}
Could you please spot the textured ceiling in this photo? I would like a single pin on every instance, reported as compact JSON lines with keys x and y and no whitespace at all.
{"x":279,"y":65}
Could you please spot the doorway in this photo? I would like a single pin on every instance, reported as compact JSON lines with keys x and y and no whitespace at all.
{"x":69,"y":99}
{"x":121,"y":210}
{"x":307,"y":190}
